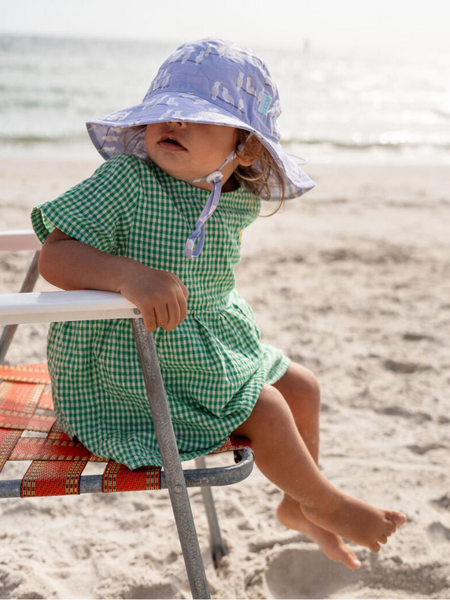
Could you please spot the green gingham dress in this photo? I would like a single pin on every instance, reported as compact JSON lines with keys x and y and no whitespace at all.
{"x":213,"y":364}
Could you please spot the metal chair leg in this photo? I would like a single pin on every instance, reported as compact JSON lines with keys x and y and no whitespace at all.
{"x":217,"y":544}
{"x":171,"y":461}
{"x":27,"y":286}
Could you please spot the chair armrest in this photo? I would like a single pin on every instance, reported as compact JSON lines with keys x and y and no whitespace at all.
{"x":19,"y":240}
{"x":79,"y":305}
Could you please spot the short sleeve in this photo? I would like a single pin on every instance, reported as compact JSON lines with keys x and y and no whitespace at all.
{"x":99,"y":211}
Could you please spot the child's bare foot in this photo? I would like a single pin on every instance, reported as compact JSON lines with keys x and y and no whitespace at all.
{"x":355,"y":520}
{"x":290,"y":514}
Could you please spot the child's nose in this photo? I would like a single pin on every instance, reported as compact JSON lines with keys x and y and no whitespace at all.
{"x":182,"y":124}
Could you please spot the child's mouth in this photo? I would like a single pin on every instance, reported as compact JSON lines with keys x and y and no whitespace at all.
{"x":171,"y":144}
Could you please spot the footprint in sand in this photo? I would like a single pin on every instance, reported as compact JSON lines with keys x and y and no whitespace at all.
{"x":305,"y":573}
{"x":443,"y":502}
{"x":438,"y":533}
{"x":403,"y":368}
{"x":425,"y":448}
{"x":298,"y":572}
{"x":417,"y":337}
{"x":134,"y":590}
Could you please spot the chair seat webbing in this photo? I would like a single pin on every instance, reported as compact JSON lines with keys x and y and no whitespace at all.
{"x":30,"y":373}
{"x":52,"y":478}
{"x":31,"y":448}
{"x":10,"y":419}
{"x":57,"y":461}
{"x":119,"y":478}
{"x":46,"y":401}
{"x":8,"y":440}
{"x":20,"y":396}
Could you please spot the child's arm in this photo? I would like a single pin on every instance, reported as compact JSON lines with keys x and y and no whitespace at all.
{"x":72,"y":265}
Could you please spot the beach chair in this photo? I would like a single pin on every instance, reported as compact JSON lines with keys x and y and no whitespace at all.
{"x":57,"y":461}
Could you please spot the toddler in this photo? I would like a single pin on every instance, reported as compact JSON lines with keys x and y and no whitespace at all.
{"x":160,"y":222}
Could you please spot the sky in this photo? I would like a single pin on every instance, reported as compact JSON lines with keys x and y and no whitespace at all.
{"x":408,"y":25}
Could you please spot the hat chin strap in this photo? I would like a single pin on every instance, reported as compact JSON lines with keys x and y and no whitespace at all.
{"x":195,"y":242}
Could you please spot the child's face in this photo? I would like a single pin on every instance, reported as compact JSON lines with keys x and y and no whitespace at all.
{"x":196,"y":150}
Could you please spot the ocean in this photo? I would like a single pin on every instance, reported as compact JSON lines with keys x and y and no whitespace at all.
{"x":337,"y":105}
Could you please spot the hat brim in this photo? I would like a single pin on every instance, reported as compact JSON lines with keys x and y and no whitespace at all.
{"x":123,"y":131}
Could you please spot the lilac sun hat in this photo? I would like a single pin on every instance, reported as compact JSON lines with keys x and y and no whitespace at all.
{"x":211,"y":81}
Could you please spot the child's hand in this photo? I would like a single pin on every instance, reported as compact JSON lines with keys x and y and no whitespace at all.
{"x":159,"y":295}
{"x":73,"y":265}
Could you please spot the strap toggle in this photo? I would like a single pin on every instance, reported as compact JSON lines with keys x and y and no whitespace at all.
{"x":214,"y":175}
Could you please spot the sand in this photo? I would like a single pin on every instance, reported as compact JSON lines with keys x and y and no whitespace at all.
{"x":353,"y":281}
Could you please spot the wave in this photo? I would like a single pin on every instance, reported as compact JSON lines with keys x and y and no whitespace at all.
{"x":349,"y":145}
{"x":43,"y":139}
{"x":71,"y":137}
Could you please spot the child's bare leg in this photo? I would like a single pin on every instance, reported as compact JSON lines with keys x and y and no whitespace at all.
{"x":301,"y":391}
{"x":282,"y":455}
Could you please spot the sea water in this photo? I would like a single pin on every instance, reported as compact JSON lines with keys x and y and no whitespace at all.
{"x":337,"y":105}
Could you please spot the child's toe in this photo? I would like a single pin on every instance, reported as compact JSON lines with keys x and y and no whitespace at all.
{"x":350,"y":560}
{"x":396,"y":517}
{"x":375,"y":547}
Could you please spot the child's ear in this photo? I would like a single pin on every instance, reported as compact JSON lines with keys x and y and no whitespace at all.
{"x":251,"y":152}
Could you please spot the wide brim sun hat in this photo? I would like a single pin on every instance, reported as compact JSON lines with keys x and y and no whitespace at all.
{"x":214,"y":82}
{"x":211,"y":81}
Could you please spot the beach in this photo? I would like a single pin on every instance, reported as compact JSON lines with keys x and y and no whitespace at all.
{"x":352,"y":281}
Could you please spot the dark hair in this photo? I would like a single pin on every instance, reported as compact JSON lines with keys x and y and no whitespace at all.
{"x":261,"y":176}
